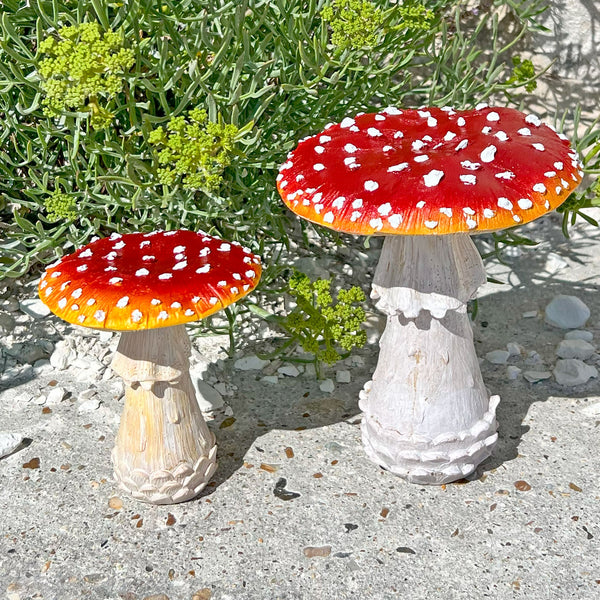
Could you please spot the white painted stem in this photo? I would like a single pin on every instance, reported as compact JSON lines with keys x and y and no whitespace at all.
{"x":427,"y":415}
{"x":164,"y":451}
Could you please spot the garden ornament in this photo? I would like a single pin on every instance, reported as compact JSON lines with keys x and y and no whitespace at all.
{"x":427,"y":179}
{"x":147,"y":286}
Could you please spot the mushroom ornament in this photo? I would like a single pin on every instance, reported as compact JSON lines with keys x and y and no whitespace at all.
{"x":427,"y":179}
{"x":148,"y":285}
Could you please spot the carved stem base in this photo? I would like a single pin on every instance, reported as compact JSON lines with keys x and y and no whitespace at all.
{"x":427,"y":415}
{"x":164,"y":451}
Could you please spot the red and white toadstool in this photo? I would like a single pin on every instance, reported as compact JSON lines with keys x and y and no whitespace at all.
{"x":427,"y":179}
{"x":147,"y":286}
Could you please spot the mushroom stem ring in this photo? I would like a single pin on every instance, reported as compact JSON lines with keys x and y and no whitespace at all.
{"x":427,"y":415}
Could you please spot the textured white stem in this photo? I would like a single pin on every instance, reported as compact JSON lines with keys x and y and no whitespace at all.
{"x":427,"y":415}
{"x":164,"y":452}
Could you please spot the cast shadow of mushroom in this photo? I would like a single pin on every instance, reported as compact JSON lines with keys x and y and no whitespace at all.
{"x":297,"y":404}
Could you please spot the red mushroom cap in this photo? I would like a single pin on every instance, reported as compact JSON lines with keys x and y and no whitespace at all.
{"x":429,"y":171}
{"x":148,"y":280}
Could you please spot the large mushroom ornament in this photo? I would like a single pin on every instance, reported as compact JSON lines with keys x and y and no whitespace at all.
{"x":427,"y":179}
{"x":147,"y":285}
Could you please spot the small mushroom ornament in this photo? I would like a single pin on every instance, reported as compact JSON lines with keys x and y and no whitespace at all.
{"x":147,"y":285}
{"x":427,"y":179}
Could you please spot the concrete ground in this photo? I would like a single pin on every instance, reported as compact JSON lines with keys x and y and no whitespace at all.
{"x":296,"y":510}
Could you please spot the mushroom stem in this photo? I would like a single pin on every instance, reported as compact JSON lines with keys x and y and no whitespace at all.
{"x":427,"y":415}
{"x":164,"y":451}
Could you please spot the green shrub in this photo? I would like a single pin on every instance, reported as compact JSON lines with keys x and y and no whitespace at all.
{"x":265,"y":73}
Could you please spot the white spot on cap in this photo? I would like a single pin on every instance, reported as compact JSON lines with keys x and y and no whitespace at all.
{"x":524,"y":131}
{"x":148,"y":257}
{"x":550,"y":174}
{"x":350,"y":148}
{"x":328,"y":217}
{"x":318,"y":208}
{"x":472,"y":166}
{"x":77,"y":293}
{"x":317,"y":197}
{"x":100,"y":316}
{"x":501,"y":136}
{"x":392,"y":110}
{"x":398,"y":135}
{"x":86,"y":253}
{"x":493,"y":116}
{"x":250,"y":274}
{"x":371,"y":186}
{"x":349,"y":160}
{"x":449,"y":136}
{"x":176,"y":305}
{"x":373,"y":132}
{"x":75,"y":307}
{"x":144,"y":243}
{"x":385,"y":209}
{"x":424,"y":113}
{"x":486,"y":130}
{"x":488,"y":154}
{"x":347,"y":122}
{"x":196,"y":299}
{"x":431,"y":224}
{"x":468,"y":179}
{"x":517,"y":218}
{"x":110,"y":269}
{"x":417,"y":145}
{"x":111,"y":256}
{"x":164,"y":276}
{"x":163,"y":315}
{"x":460,"y":121}
{"x":398,"y":168}
{"x":234,"y":290}
{"x":488,"y":213}
{"x":119,"y":245}
{"x":539,"y":147}
{"x":318,"y":167}
{"x":299,"y":177}
{"x":420,"y":204}
{"x":115,"y":236}
{"x":462,"y":145}
{"x":394,"y":221}
{"x":471,"y":223}
{"x":142,"y":272}
{"x":387,"y":148}
{"x":524,"y":203}
{"x":357,"y":203}
{"x":180,"y":265}
{"x":533,"y":120}
{"x":354,"y":128}
{"x":204,"y":252}
{"x":432,"y":178}
{"x":115,"y":280}
{"x":91,"y":302}
{"x":62,"y":303}
{"x":379,"y":118}
{"x":468,"y":210}
{"x":225,"y":247}
{"x":155,"y":302}
{"x":324,"y":139}
{"x":286,"y":165}
{"x":421,"y":158}
{"x":505,"y":175}
{"x":559,"y":165}
{"x":204,"y":269}
{"x":559,"y":189}
{"x":82,"y":268}
{"x":123,"y":302}
{"x":222,"y":283}
{"x":376,"y":224}
{"x":319,"y":149}
{"x":431,"y":122}
{"x":446,"y":211}
{"x":136,"y":316}
{"x":81,"y":318}
{"x":213,"y":300}
{"x":338,"y":202}
{"x":505,"y":203}
{"x":481,"y":105}
{"x":355,"y":216}
{"x":56,"y":274}
{"x":539,"y":187}
{"x":189,"y":312}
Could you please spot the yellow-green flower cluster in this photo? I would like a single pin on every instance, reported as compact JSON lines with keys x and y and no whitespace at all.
{"x":83,"y":64}
{"x":319,"y":324}
{"x":194,"y":151}
{"x":523,"y":70}
{"x":60,"y":206}
{"x":415,"y":16}
{"x":354,"y":24}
